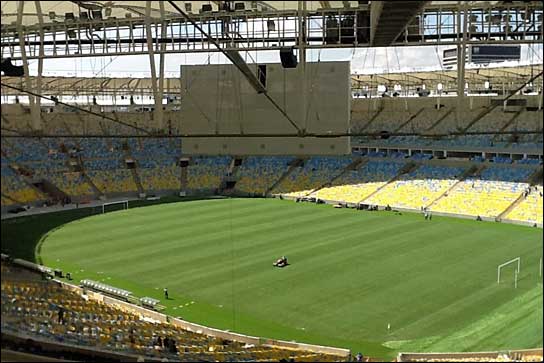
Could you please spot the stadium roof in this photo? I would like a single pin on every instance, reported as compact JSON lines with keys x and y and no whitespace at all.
{"x":57,"y":86}
{"x":510,"y":76}
{"x":55,"y":10}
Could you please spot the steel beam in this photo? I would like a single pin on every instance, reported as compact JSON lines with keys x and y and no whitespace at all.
{"x":127,"y":36}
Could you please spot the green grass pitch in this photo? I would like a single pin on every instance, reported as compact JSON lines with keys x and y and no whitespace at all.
{"x":352,"y":273}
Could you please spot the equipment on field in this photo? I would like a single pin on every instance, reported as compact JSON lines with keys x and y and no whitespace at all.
{"x":123,"y":202}
{"x":281,"y":262}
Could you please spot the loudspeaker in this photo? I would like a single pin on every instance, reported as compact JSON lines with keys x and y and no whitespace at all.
{"x":97,"y":14}
{"x":423,"y":93}
{"x":271,"y":25}
{"x":11,"y":70}
{"x":288,"y":58}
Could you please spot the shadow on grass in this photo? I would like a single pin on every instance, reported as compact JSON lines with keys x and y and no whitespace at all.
{"x":20,"y":236}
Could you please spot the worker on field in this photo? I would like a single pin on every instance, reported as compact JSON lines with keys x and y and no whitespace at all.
{"x":166,"y":293}
{"x":281,"y":262}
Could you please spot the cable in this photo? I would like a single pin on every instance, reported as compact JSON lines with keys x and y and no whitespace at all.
{"x":280,"y":135}
{"x":233,"y":256}
{"x":387,"y":60}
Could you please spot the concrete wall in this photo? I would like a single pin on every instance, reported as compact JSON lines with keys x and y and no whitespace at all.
{"x":361,"y":110}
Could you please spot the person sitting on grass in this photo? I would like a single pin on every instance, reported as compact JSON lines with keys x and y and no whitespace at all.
{"x":281,"y":262}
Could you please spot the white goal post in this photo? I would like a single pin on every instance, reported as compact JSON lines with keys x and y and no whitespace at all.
{"x":516,"y":273}
{"x":124,"y":202}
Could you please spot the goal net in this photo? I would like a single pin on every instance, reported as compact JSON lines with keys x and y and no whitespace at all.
{"x":114,"y":206}
{"x":517,"y":264}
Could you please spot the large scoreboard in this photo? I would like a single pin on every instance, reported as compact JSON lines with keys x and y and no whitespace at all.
{"x":218,"y":100}
{"x":483,"y":54}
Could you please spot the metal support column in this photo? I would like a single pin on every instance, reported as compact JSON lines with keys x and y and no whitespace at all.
{"x":33,"y":102}
{"x":461,"y":55}
{"x":40,"y":63}
{"x":158,"y":105}
{"x":302,"y":67}
{"x":157,"y":113}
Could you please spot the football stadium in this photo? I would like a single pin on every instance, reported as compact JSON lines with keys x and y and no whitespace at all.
{"x":285,"y":181}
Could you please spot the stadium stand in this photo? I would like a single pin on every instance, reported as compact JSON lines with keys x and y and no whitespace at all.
{"x":530,"y":208}
{"x":424,"y":120}
{"x":355,"y":185}
{"x":103,"y":171}
{"x":164,"y":177}
{"x":206,"y":173}
{"x":72,"y":183}
{"x":157,"y":161}
{"x":418,"y":188}
{"x":257,"y":174}
{"x":14,"y":188}
{"x":113,"y":181}
{"x":47,"y":310}
{"x":314,"y":173}
{"x":486,"y":196}
{"x":459,"y":136}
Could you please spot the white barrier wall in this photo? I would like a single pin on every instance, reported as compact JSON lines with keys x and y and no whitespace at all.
{"x":201,"y":329}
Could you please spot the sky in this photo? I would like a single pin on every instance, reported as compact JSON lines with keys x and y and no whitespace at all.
{"x":363,"y":61}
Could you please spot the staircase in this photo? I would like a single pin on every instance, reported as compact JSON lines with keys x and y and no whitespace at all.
{"x":438,"y":121}
{"x":536,"y":177}
{"x":65,"y":124}
{"x":513,"y":205}
{"x":508,"y":123}
{"x":76,"y":165}
{"x":51,"y":190}
{"x":229,"y":180}
{"x":26,"y":176}
{"x":479,"y":117}
{"x":106,"y":133}
{"x":356,"y":164}
{"x":133,"y":171}
{"x":10,"y":198}
{"x":183,"y":179}
{"x":98,"y":194}
{"x":409,"y":120}
{"x":137,"y":180}
{"x":374,"y":117}
{"x":294,"y":164}
{"x":408,"y":168}
{"x":474,"y":169}
{"x":521,"y":197}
